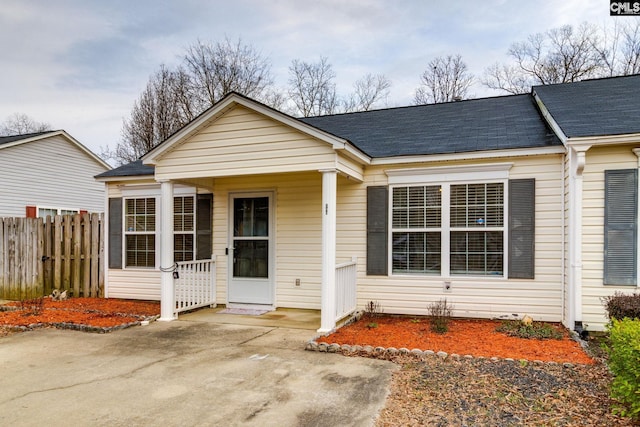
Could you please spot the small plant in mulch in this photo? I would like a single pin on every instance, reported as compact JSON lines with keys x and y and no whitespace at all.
{"x":32,"y":306}
{"x":372,"y":325}
{"x":440,"y":316}
{"x":373,"y":309}
{"x":533,"y":330}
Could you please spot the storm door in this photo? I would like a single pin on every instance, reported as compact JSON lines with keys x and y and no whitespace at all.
{"x":250,"y":250}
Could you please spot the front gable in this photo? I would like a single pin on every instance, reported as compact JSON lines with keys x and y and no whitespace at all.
{"x":239,"y":137}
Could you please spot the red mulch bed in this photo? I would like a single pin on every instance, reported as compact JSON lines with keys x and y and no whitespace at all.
{"x":93,"y":313}
{"x":465,"y":337}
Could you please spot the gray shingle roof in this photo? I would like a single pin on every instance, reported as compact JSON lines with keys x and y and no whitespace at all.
{"x":594,"y":107}
{"x":13,"y":138}
{"x":130,"y":169}
{"x":456,"y":127}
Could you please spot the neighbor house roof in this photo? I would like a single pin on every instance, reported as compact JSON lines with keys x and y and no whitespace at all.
{"x":15,"y":140}
{"x":596,"y":107}
{"x":497,"y":123}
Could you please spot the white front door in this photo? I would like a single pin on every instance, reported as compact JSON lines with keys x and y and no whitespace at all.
{"x":251,"y":249}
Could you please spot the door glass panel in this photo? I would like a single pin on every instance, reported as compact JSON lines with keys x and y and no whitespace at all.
{"x":251,"y":258}
{"x":251,"y":217}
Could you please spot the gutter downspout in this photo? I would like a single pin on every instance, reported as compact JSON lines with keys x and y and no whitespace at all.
{"x":577,"y":163}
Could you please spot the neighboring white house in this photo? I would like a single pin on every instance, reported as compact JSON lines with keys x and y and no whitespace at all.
{"x":48,"y":173}
{"x":490,"y":203}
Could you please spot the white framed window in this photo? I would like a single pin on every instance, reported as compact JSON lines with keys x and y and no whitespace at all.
{"x":184,"y":228}
{"x":42,"y":212}
{"x":140,"y":232}
{"x":449,"y":221}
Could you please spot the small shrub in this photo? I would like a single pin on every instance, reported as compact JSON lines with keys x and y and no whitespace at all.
{"x":373,"y":309}
{"x":535,"y":330}
{"x":620,"y":306}
{"x":624,"y":362}
{"x":372,"y":325}
{"x":440,"y":316}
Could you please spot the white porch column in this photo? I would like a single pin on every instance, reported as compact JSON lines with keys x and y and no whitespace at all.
{"x":167,"y":296}
{"x":577,"y":162}
{"x":329,"y":198}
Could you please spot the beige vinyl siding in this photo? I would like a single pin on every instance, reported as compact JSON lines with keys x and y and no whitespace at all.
{"x":134,"y":284}
{"x":298,"y":234}
{"x":476,"y":297}
{"x":598,"y":160}
{"x":243,"y":142}
{"x":52,"y":173}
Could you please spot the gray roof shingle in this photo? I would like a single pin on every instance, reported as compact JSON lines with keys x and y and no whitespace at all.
{"x":130,"y":169}
{"x":609,"y":106}
{"x":485,"y":124}
{"x":456,"y":127}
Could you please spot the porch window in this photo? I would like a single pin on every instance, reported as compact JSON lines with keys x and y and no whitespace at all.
{"x":140,"y":227}
{"x":183,"y":228}
{"x":468,"y":217}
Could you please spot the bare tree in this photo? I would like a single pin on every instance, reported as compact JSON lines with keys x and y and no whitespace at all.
{"x":446,"y":79}
{"x":367,"y":91}
{"x":312,"y":89}
{"x":559,"y":55}
{"x":223,"y":67}
{"x":174,"y":97}
{"x":20,"y":124}
{"x":619,"y":48}
{"x":630,"y":48}
{"x":163,"y":107}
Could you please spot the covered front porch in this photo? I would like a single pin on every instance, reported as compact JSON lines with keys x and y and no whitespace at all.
{"x":274,"y":244}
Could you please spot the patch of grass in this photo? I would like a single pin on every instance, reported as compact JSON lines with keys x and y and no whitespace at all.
{"x":536,"y":330}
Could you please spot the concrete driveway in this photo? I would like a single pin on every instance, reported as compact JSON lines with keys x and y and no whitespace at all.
{"x":186,"y":373}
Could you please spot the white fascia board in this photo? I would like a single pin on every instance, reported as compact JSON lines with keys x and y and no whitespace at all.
{"x":628,"y":138}
{"x":476,"y":155}
{"x":65,"y":135}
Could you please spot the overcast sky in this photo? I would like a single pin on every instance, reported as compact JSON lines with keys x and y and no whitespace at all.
{"x":80,"y":64}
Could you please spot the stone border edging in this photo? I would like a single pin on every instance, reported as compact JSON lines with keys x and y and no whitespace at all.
{"x":81,"y":327}
{"x":313,"y":345}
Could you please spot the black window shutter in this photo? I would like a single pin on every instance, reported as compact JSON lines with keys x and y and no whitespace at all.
{"x":522,"y":220}
{"x":377,"y":235}
{"x":620,"y":226}
{"x":115,"y":233}
{"x":204,"y":228}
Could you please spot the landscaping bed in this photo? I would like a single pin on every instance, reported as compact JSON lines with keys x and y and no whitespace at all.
{"x":473,"y":337}
{"x":87,"y":314}
{"x":476,"y":374}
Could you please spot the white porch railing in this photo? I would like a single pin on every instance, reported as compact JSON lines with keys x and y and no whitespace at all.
{"x":345,"y":288}
{"x":195,"y":285}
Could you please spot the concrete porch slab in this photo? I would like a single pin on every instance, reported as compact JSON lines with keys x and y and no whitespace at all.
{"x":281,"y":318}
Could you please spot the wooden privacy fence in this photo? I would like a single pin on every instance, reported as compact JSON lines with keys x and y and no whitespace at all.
{"x":62,"y":252}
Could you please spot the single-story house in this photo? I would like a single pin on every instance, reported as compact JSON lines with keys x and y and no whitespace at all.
{"x":522,"y":204}
{"x":48,"y":173}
